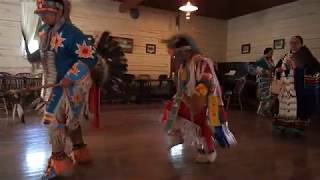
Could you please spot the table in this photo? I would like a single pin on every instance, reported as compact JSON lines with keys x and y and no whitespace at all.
{"x":17,"y":101}
{"x":145,"y":85}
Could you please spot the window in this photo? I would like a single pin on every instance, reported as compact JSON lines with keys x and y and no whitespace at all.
{"x":30,"y":24}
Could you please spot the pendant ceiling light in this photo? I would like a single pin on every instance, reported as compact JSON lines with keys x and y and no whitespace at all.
{"x":188,"y":8}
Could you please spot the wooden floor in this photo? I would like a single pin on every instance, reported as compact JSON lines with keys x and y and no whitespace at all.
{"x":131,"y":145}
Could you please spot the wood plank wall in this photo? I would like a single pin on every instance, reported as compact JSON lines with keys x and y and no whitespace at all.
{"x":261,"y":28}
{"x":94,"y":17}
{"x":152,"y":27}
{"x":210,"y":35}
{"x":11,"y":54}
{"x":220,"y":40}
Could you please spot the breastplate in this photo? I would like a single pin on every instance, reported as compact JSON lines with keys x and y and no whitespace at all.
{"x":49,"y":73}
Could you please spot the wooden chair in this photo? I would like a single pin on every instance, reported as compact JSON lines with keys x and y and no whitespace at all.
{"x":19,"y":82}
{"x":162,"y":78}
{"x":144,"y":77}
{"x":28,"y":75}
{"x":3,"y":103}
{"x":3,"y":88}
{"x":144,"y":87}
{"x":4,"y":74}
{"x":235,"y":93}
{"x":163,"y":87}
{"x":128,"y":80}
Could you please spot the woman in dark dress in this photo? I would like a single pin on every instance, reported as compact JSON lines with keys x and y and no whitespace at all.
{"x":305,"y":64}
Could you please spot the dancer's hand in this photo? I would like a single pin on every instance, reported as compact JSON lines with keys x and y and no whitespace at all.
{"x":65,"y":82}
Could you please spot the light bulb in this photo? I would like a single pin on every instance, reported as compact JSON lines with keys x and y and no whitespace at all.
{"x":188,"y":15}
{"x":188,"y":7}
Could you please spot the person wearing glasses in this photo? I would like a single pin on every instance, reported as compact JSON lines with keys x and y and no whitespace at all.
{"x":297,"y":99}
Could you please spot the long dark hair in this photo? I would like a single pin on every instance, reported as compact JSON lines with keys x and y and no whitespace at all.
{"x":267,"y":50}
{"x":300,"y":39}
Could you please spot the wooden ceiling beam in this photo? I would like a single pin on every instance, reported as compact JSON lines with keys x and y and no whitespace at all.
{"x":221,"y":9}
{"x":126,"y":5}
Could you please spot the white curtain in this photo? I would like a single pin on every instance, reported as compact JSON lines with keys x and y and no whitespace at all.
{"x":30,"y":23}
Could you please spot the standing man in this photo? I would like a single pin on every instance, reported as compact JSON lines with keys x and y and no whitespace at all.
{"x":67,"y":59}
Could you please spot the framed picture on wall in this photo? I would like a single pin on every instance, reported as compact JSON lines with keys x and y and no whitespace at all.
{"x":151,"y":48}
{"x":125,"y":43}
{"x":245,"y":49}
{"x":279,"y":44}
